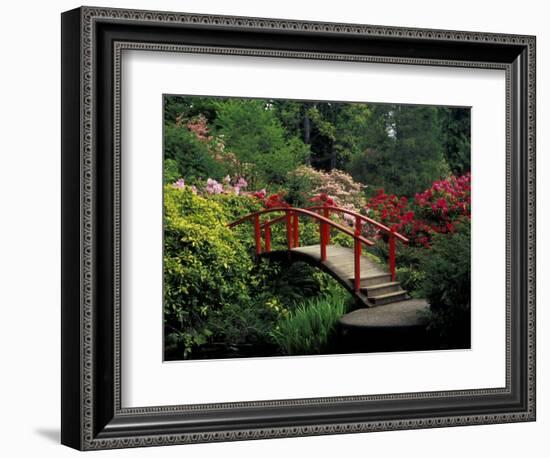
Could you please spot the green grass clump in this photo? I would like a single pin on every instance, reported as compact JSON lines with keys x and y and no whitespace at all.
{"x":310,"y":327}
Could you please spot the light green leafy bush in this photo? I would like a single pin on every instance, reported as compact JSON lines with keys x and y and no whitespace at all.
{"x":234,"y":207}
{"x":206,"y":273}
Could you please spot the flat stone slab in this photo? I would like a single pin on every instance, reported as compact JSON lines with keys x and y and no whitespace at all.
{"x":395,"y":315}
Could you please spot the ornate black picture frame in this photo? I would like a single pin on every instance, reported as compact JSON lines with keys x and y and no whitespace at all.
{"x":92,"y":415}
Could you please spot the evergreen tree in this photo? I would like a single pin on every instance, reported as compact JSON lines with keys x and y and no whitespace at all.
{"x":455,"y":128}
{"x":405,"y":153}
{"x":251,"y":130}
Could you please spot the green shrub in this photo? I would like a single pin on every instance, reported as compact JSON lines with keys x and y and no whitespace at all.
{"x":234,"y":207}
{"x":447,"y":286}
{"x":291,"y":283}
{"x":311,"y":327}
{"x":171,"y":171}
{"x":411,"y":280}
{"x":186,"y":156}
{"x":405,"y":255}
{"x":332,"y":287}
{"x":206,"y":272}
{"x":299,"y":189}
{"x":447,"y":269}
{"x":341,"y":239}
{"x":249,"y":322}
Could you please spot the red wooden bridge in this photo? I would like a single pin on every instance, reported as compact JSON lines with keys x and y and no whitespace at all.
{"x":367,"y":280}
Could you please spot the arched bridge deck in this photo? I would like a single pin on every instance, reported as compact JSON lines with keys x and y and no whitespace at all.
{"x":376,"y":285}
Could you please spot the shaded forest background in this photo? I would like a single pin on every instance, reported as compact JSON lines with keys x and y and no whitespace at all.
{"x":400,"y":148}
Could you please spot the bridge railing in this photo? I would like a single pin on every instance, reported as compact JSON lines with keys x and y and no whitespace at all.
{"x":392,"y":234}
{"x":291,"y":218}
{"x":322,"y":215}
{"x":360,"y":222}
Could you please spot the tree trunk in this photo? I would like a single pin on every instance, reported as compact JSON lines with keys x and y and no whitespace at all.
{"x":332,"y":158}
{"x":307,"y":133}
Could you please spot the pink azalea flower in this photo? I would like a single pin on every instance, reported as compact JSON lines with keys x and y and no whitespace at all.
{"x":350,"y":219}
{"x":180,"y":184}
{"x":213,"y":187}
{"x":241,"y":183}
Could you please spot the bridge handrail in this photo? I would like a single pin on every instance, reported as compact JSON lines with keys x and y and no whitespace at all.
{"x":379,"y":225}
{"x":303,"y":211}
{"x":291,"y":215}
{"x":364,"y":218}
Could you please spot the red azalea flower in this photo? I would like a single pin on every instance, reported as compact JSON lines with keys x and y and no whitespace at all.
{"x":324,"y":198}
{"x":260,"y":194}
{"x":407,"y":217}
{"x":275,"y":200}
{"x":441,"y":203}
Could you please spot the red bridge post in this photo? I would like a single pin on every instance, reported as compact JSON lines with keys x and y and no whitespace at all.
{"x":357,"y":264}
{"x":257,"y":235}
{"x":392,"y":253}
{"x":323,"y":237}
{"x":295,"y":230}
{"x":358,"y":229}
{"x":357,"y":254}
{"x":326,"y":214}
{"x":288,"y":215}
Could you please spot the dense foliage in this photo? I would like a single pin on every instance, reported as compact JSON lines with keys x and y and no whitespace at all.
{"x":447,"y":285}
{"x":408,"y":152}
{"x":400,"y":148}
{"x":215,"y":298}
{"x":455,"y":128}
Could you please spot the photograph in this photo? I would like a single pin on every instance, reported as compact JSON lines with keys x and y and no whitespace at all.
{"x":311,"y":227}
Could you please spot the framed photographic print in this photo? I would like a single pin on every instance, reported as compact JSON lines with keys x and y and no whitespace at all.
{"x":278,"y":228}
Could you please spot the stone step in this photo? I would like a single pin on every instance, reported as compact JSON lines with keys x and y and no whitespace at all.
{"x":388,"y":298}
{"x":373,"y":279}
{"x":382,"y":288}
